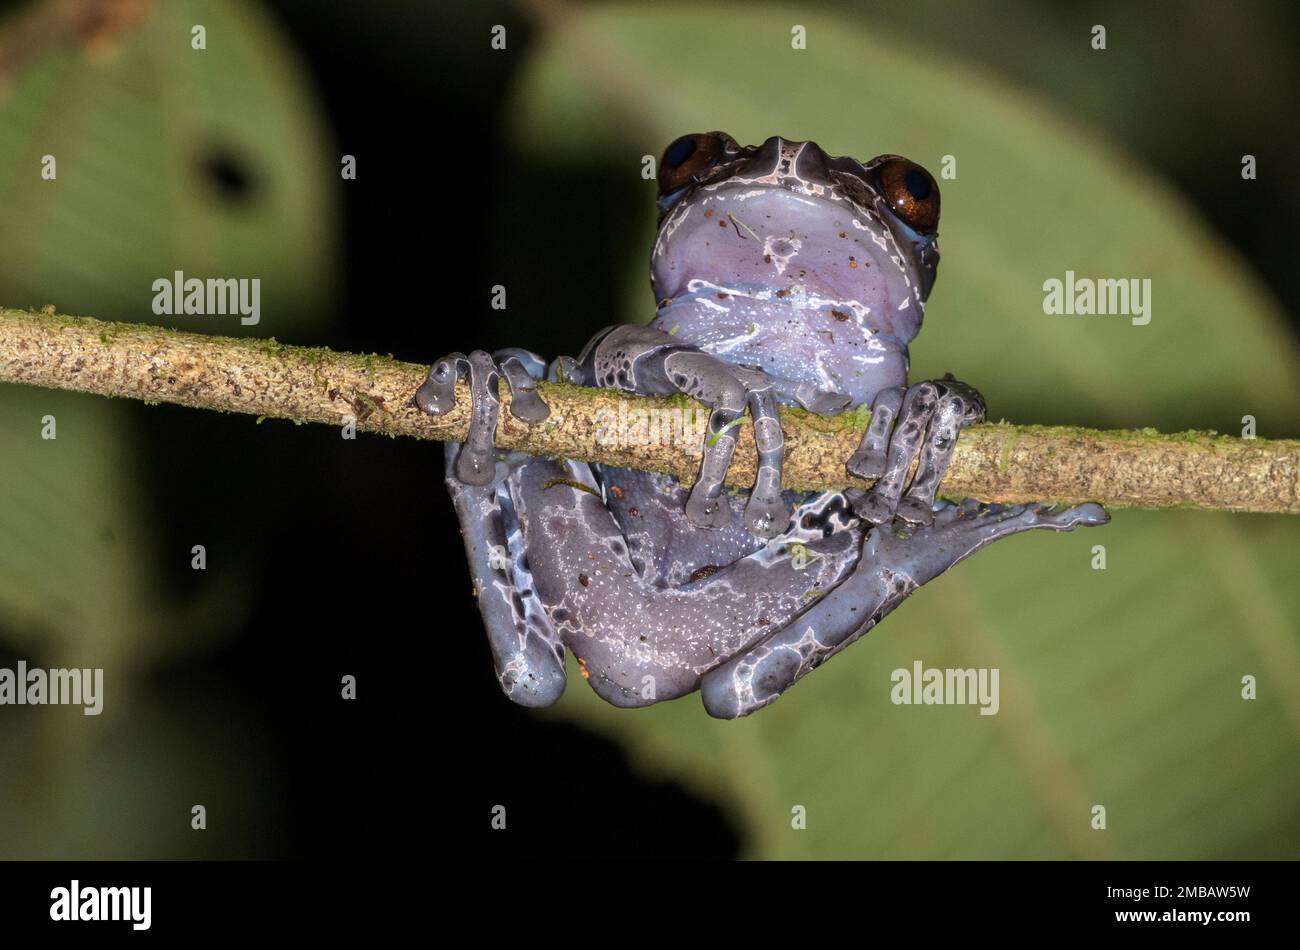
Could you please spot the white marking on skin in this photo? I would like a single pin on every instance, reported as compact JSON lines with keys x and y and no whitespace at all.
{"x":804,"y":201}
{"x":815,"y":648}
{"x":513,"y":671}
{"x":860,"y":310}
{"x":780,"y":261}
{"x":788,"y":155}
{"x":903,"y":305}
{"x":696,"y":284}
{"x":827,"y":380}
{"x":675,"y":219}
{"x":730,"y":343}
{"x":506,"y":592}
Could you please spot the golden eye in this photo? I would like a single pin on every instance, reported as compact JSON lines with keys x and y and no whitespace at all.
{"x":687,"y":159}
{"x":911,"y":193}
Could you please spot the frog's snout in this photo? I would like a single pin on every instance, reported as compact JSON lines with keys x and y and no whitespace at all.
{"x":790,"y":158}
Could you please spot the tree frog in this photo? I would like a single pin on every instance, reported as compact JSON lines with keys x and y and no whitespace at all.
{"x":784,"y":276}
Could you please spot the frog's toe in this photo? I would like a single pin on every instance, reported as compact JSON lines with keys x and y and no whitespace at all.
{"x":475,"y":461}
{"x":945,"y":512}
{"x":525,"y":404}
{"x":437,"y":394}
{"x":915,"y":510}
{"x":706,"y":510}
{"x":870,"y":459}
{"x":766,"y":514}
{"x":1088,"y":515}
{"x":867,"y":463}
{"x":871,"y":506}
{"x":956,"y":407}
{"x":821,"y":403}
{"x":903,"y":443}
{"x":475,"y":466}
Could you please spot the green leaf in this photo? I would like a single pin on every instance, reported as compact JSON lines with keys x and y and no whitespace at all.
{"x":134,"y":129}
{"x":1119,"y":687}
{"x":214,"y":162}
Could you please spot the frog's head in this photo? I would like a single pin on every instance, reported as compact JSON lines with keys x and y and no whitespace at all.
{"x":811,"y":267}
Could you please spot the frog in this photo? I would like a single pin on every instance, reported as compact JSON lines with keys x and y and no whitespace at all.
{"x":784,"y":277}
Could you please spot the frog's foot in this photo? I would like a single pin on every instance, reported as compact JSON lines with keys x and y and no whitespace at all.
{"x":955,"y":532}
{"x":894,"y":563}
{"x":924,"y":418}
{"x":476,"y":462}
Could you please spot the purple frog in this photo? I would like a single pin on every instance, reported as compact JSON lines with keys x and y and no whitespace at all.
{"x":784,"y":276}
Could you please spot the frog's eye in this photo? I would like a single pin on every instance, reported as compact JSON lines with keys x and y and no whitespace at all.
{"x":911,"y":193}
{"x":687,"y":159}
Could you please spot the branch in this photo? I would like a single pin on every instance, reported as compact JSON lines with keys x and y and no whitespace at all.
{"x":993,"y":462}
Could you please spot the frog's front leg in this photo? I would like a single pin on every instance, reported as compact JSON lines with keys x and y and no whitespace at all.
{"x":924,"y":418}
{"x":647,"y":360}
{"x":895,"y":561}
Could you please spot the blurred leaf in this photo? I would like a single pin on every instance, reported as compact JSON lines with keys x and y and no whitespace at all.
{"x":208,"y":161}
{"x":120,"y":785}
{"x":213,"y":162}
{"x":78,"y":581}
{"x":1119,"y":687}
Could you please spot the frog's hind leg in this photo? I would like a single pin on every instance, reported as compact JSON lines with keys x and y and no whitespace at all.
{"x":896,"y":560}
{"x":638,"y":642}
{"x":528,"y":656}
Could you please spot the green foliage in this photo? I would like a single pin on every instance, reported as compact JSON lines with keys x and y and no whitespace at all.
{"x":211,"y":162}
{"x":1120,"y":687}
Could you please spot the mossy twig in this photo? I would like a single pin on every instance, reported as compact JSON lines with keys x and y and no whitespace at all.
{"x":996,"y":462}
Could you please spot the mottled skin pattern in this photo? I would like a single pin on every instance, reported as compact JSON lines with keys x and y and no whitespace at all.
{"x":784,"y":276}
